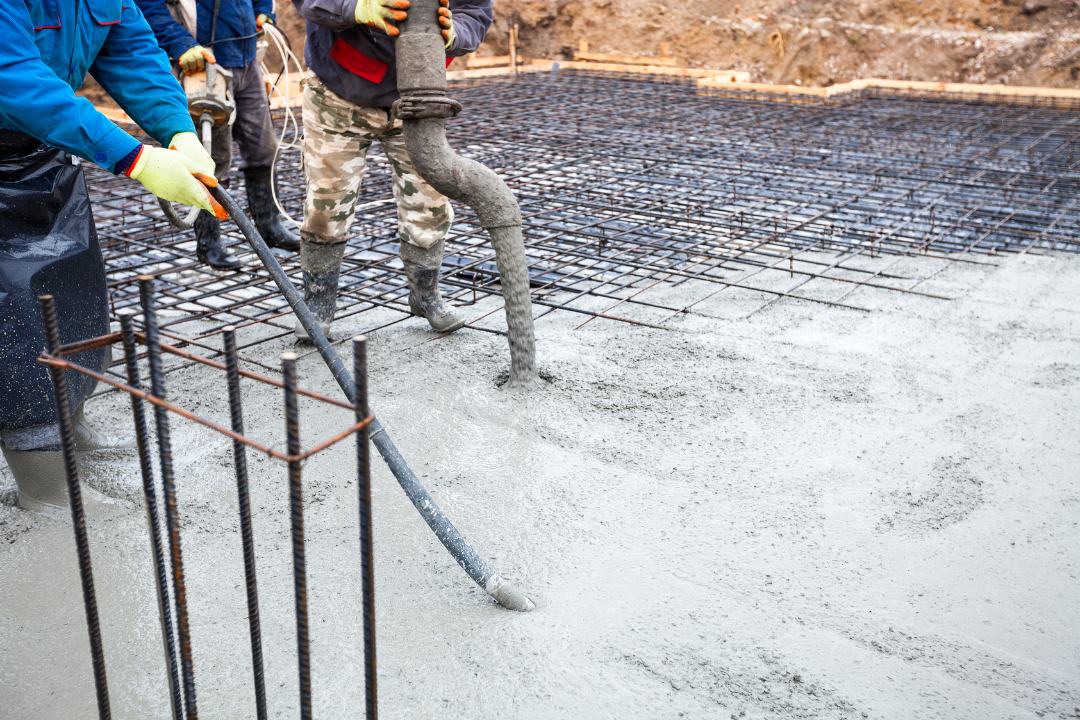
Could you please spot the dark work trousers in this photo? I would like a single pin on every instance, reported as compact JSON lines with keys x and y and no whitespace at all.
{"x":253,"y":130}
{"x":48,"y":246}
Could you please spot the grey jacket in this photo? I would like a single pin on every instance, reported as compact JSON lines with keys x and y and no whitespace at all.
{"x":358,"y":62}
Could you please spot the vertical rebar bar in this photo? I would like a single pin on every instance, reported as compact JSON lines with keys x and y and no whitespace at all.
{"x":146,"y":466}
{"x":168,"y":486}
{"x":232,"y":372}
{"x":78,"y":515}
{"x":367,"y":556}
{"x":296,"y":511}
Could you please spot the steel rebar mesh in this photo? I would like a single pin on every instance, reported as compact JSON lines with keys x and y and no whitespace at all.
{"x":627,"y":182}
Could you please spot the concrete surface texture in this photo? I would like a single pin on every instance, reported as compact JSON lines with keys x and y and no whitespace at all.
{"x":813,"y":513}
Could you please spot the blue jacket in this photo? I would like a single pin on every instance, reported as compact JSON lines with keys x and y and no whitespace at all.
{"x":358,"y":62}
{"x":46,"y":49}
{"x":236,"y":19}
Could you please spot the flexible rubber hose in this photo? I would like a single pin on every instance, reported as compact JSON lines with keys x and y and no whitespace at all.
{"x":421,"y":67}
{"x":504,"y":592}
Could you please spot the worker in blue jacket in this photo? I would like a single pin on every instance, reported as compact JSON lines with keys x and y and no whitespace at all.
{"x":348,"y":92}
{"x":197,"y":32}
{"x":48,"y":244}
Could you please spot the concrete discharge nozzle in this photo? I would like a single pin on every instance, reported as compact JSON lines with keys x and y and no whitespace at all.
{"x":424,"y":107}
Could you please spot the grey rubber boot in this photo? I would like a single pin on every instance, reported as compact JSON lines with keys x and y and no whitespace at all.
{"x":88,"y":437}
{"x":270,"y":223}
{"x":422,"y":271}
{"x":321,"y":266}
{"x":42,"y":483}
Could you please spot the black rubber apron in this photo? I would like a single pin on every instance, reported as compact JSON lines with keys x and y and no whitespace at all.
{"x":48,"y":246}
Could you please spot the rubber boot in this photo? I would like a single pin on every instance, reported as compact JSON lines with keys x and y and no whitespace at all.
{"x":89,"y":438}
{"x":422,"y":271}
{"x":268,"y":220}
{"x":321,"y":266}
{"x":209,"y":248}
{"x":42,"y":483}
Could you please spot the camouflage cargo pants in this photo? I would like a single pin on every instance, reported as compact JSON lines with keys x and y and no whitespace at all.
{"x":337,"y":136}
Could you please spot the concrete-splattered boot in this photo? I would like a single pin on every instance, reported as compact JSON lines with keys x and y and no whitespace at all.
{"x":209,"y":248}
{"x":321,"y":265}
{"x":271,"y":225}
{"x":422,"y":271}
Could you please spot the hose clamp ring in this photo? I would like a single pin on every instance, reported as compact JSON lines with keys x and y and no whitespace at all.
{"x":419,"y":107}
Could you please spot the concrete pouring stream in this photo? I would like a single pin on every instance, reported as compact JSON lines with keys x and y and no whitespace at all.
{"x":814,"y":513}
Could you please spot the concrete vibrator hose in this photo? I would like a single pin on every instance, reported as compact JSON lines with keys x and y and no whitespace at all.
{"x":503,"y":591}
{"x":424,"y":107}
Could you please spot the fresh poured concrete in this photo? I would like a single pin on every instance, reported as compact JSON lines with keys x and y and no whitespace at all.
{"x":813,"y":513}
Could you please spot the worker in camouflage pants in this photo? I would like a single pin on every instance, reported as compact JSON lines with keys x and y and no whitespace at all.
{"x":348,"y":91}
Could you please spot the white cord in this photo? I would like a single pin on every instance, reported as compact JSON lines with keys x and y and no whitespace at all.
{"x":281,"y":45}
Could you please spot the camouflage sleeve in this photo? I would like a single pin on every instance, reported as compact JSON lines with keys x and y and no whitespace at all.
{"x":472,"y":18}
{"x":336,"y":15}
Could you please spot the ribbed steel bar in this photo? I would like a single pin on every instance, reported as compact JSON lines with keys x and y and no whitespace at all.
{"x":168,"y":485}
{"x":367,"y":553}
{"x":236,"y":412}
{"x":296,"y":515}
{"x":75,"y":501}
{"x":153,"y":515}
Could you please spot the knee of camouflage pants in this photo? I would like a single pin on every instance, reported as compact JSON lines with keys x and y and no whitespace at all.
{"x":424,"y":214}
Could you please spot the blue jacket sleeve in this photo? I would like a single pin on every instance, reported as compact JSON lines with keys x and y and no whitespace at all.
{"x":35,"y":101}
{"x":264,"y":7}
{"x":335,"y":15}
{"x":472,"y":18}
{"x":171,"y":35}
{"x":135,"y":72}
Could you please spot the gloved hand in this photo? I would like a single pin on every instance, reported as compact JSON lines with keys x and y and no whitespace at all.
{"x":196,"y":58}
{"x":189,"y":145}
{"x":172,"y":176}
{"x":446,"y":19}
{"x":262,"y":18}
{"x":376,"y":12}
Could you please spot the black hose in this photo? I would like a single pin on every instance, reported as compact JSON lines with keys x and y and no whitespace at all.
{"x":487,"y":578}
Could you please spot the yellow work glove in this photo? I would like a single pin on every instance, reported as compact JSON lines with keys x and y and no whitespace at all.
{"x":446,"y":19}
{"x":376,"y":12}
{"x":196,"y":58}
{"x":189,"y":145}
{"x":172,"y":176}
{"x":263,"y":18}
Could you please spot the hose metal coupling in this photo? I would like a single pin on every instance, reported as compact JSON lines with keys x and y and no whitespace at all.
{"x":418,"y":107}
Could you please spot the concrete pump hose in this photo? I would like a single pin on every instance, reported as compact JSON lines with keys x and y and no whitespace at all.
{"x":421,"y":68}
{"x":503,"y":591}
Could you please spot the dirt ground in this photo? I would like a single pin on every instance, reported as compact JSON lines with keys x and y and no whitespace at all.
{"x":805,"y":42}
{"x":813,"y":513}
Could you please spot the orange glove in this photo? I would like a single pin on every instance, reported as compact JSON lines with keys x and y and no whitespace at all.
{"x":446,"y":19}
{"x":377,"y":13}
{"x":196,"y":58}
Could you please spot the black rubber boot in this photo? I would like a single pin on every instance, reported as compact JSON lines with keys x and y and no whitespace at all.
{"x":321,"y":266}
{"x":268,"y":220}
{"x":209,"y":248}
{"x":422,"y":271}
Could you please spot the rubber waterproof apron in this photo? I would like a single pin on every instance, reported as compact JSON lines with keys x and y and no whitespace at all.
{"x":48,"y":246}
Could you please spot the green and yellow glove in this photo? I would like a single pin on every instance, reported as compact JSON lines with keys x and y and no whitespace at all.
{"x":196,"y":58}
{"x":189,"y":145}
{"x":376,"y":13}
{"x":171,"y":176}
{"x":446,"y":19}
{"x":262,"y":18}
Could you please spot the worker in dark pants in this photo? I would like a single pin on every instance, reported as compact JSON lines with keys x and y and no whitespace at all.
{"x":224,"y":32}
{"x":48,"y":244}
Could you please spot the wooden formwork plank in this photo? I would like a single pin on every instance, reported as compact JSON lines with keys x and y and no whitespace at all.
{"x":625,"y":59}
{"x":958,"y":89}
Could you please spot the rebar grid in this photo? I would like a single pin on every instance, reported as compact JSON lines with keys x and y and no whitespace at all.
{"x":627,"y":183}
{"x":177,"y":639}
